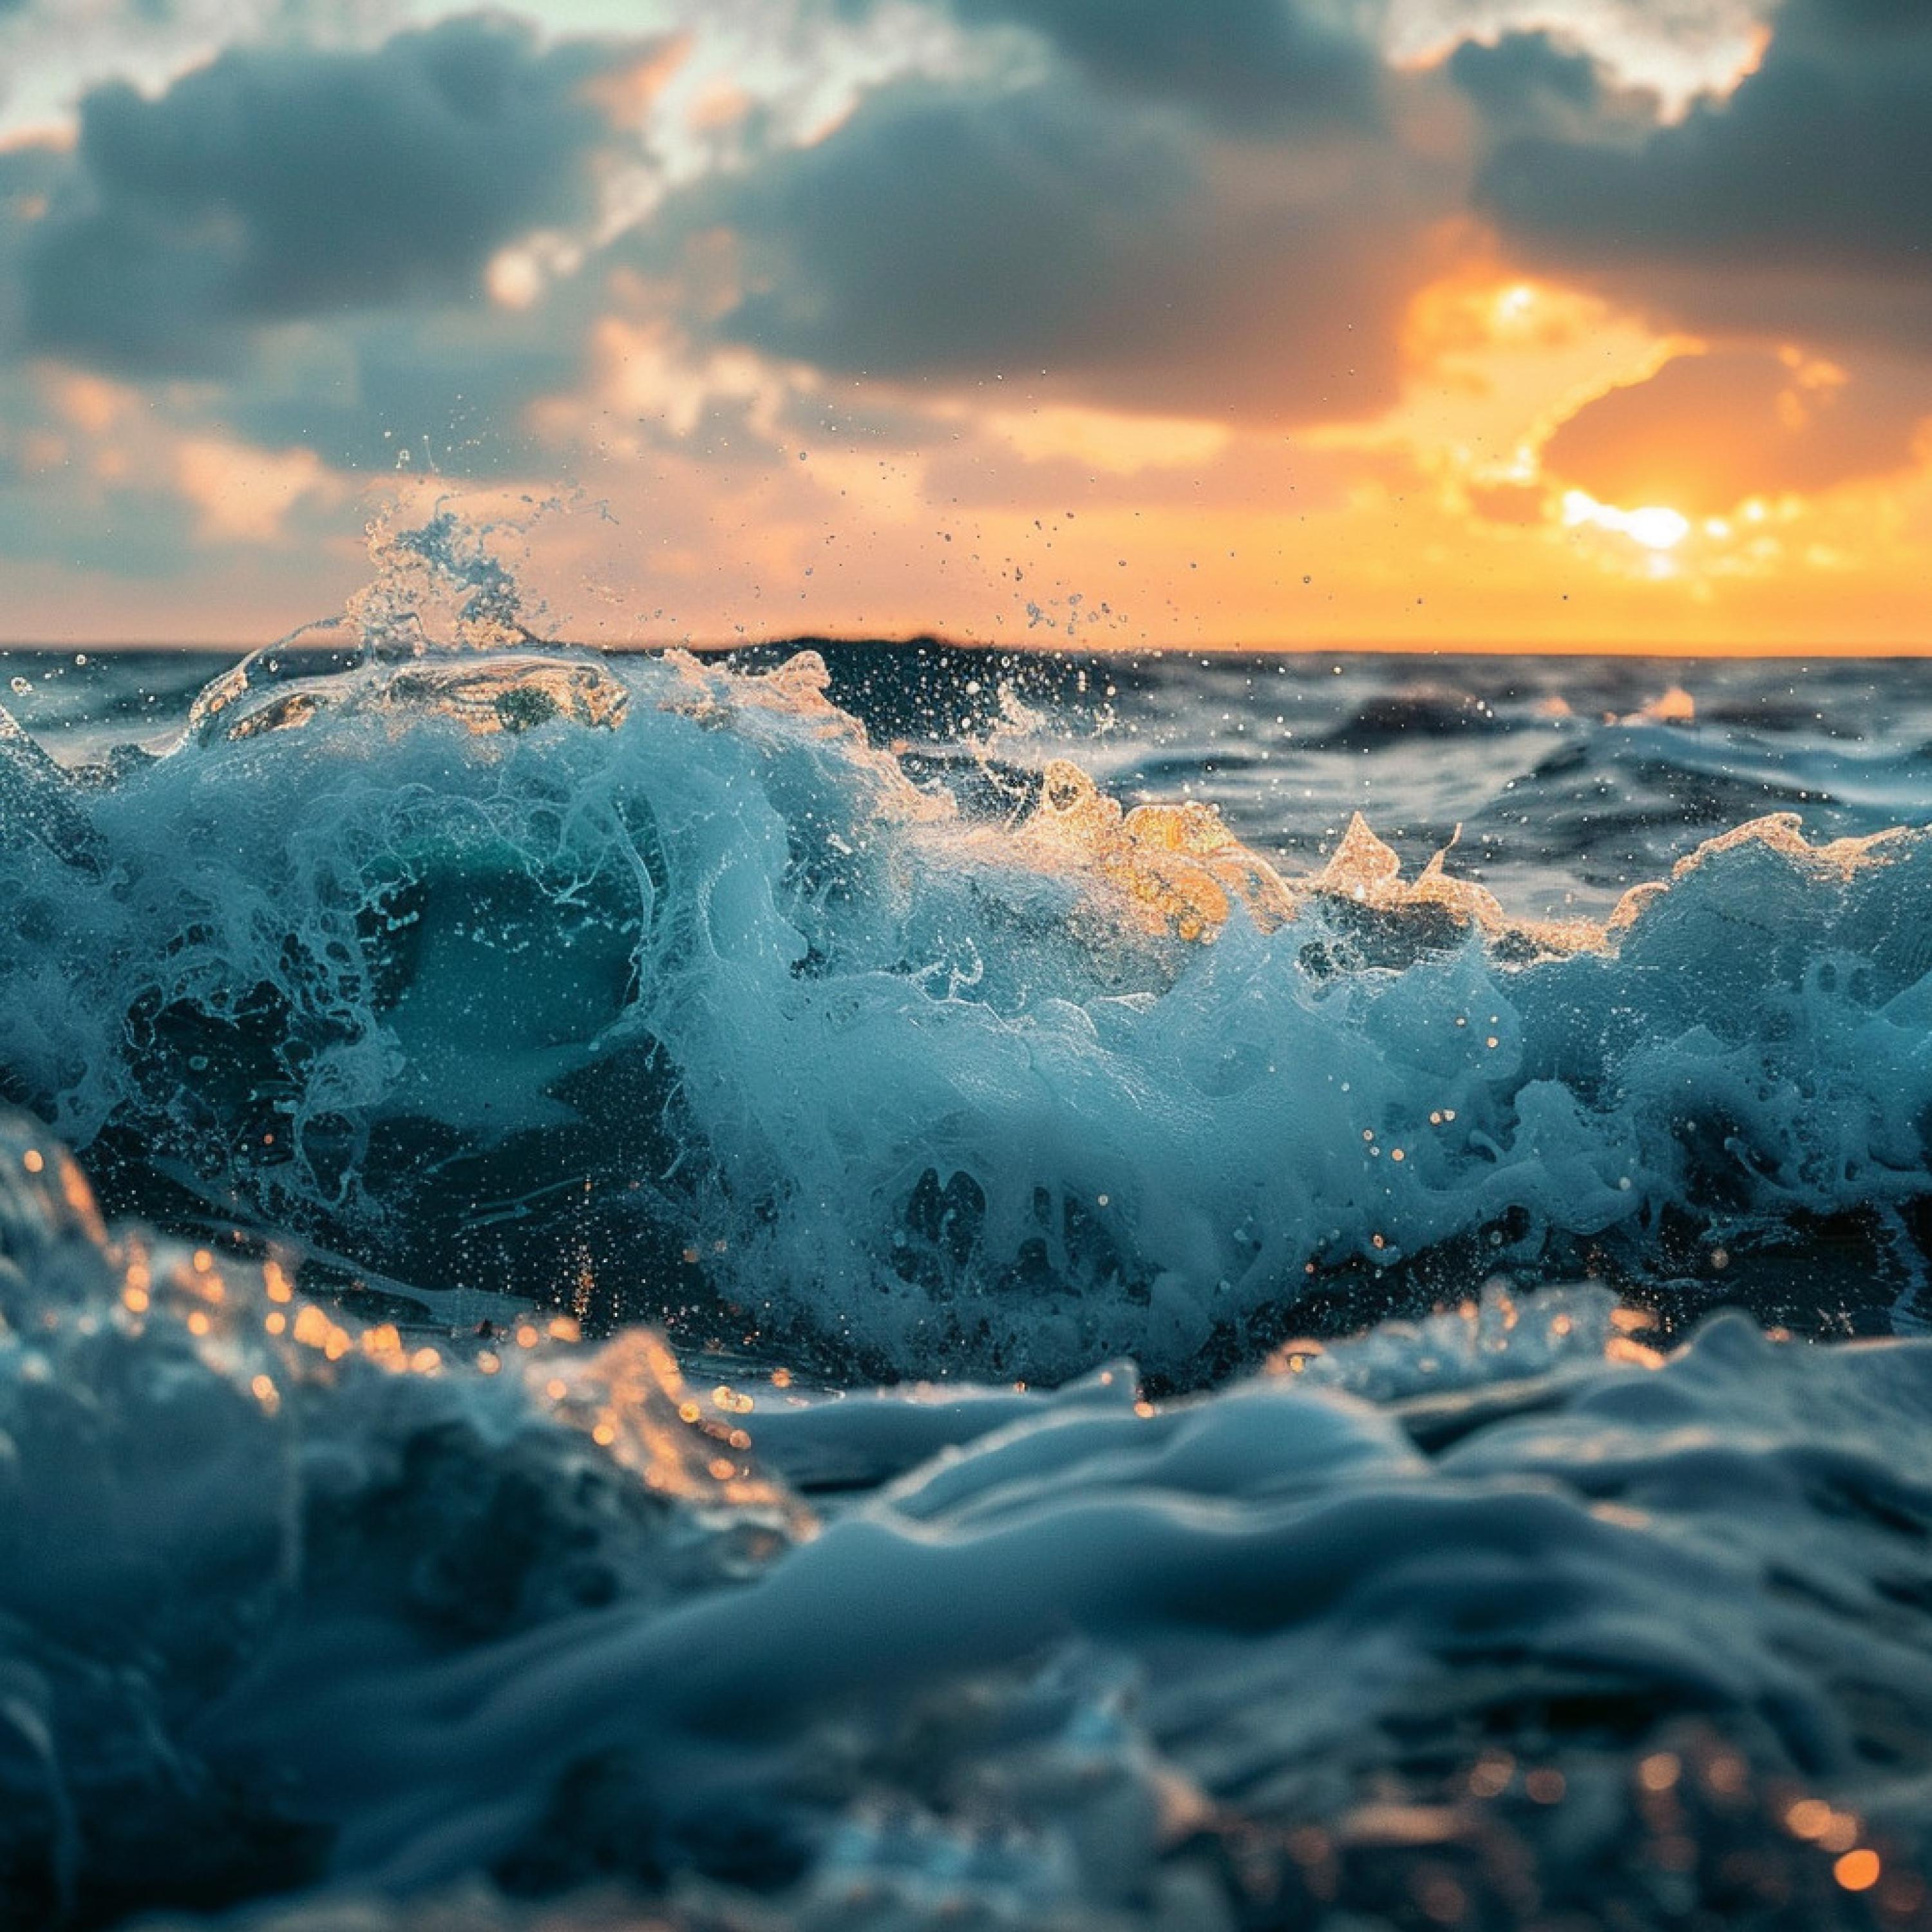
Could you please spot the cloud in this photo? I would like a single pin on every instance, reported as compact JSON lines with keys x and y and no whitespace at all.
{"x":81,"y":479}
{"x":1706,"y":432}
{"x":1523,"y":80}
{"x":1673,"y":48}
{"x":1797,"y":201}
{"x":29,"y":178}
{"x":1251,"y":63}
{"x":912,"y":270}
{"x":448,"y":385}
{"x":278,"y":183}
{"x":1041,"y":235}
{"x":277,"y":267}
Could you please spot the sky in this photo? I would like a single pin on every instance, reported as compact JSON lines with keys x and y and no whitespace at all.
{"x":1442,"y":324}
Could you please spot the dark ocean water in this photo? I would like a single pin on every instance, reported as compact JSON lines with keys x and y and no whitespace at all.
{"x":920,"y":1288}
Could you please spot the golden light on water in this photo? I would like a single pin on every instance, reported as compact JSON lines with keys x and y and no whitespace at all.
{"x":1858,"y":1870}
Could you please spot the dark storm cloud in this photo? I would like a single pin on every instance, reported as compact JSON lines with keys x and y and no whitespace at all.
{"x":1249,"y":62}
{"x":1519,"y":78}
{"x":937,"y":230}
{"x":279,"y":184}
{"x":1815,"y":167}
{"x":954,"y":234}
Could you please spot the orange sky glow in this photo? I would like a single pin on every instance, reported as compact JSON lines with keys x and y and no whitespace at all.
{"x":1501,"y":450}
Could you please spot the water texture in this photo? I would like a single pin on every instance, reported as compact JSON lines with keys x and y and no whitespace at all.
{"x":893,"y":1286}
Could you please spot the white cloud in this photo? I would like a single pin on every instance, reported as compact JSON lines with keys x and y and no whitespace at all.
{"x":1677,"y":48}
{"x":53,"y":51}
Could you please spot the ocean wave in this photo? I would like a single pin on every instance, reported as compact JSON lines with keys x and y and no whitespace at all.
{"x":651,"y":987}
{"x":1502,"y":1616}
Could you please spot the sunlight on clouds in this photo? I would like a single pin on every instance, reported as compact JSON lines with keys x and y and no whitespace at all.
{"x":514,"y":278}
{"x":1679,"y":49}
{"x":1107,"y":439}
{"x":646,"y":377}
{"x":1655,"y":526}
{"x":91,"y":403}
{"x":626,"y":95}
{"x":58,"y":136}
{"x":1812,"y":379}
{"x":243,"y":495}
{"x":1713,"y":426}
{"x":1466,"y":326}
{"x":1495,"y":364}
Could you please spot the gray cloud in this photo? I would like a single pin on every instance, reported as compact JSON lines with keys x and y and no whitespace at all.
{"x":1251,"y":63}
{"x":445,"y":383}
{"x":956,"y":234}
{"x":275,"y":184}
{"x":1521,"y":78}
{"x":1762,"y":205}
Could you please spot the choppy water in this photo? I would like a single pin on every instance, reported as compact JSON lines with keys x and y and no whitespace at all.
{"x":735,"y":1296}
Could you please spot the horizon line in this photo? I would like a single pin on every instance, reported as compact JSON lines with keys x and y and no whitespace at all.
{"x":1781,"y":648}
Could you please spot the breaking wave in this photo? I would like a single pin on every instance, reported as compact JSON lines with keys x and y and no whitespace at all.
{"x":651,"y":987}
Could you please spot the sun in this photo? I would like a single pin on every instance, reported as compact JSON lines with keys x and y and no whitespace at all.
{"x":1655,"y":526}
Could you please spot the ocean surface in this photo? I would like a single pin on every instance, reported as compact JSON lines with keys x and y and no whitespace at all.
{"x":897,"y":1287}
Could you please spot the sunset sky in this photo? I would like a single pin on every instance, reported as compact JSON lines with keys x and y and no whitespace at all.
{"x":1445,"y":323}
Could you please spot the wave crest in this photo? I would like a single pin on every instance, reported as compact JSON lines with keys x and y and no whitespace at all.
{"x":647,"y":986}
